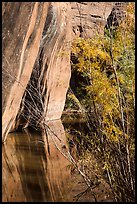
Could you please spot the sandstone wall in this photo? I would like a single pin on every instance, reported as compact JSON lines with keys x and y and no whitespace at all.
{"x":90,"y":18}
{"x":36,"y":45}
{"x":28,"y":34}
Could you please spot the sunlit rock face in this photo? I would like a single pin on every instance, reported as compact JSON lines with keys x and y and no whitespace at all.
{"x":36,"y":45}
{"x":44,"y":98}
{"x":90,"y":18}
{"x":22,"y":27}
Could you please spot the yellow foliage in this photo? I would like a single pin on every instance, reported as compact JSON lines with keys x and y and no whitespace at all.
{"x":94,"y":60}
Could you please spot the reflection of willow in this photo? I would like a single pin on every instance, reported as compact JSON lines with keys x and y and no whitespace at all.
{"x":62,"y":148}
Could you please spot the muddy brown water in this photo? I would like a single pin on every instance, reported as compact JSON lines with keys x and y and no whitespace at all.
{"x":34,"y":168}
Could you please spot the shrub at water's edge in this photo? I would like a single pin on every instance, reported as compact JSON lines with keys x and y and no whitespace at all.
{"x":106,"y":67}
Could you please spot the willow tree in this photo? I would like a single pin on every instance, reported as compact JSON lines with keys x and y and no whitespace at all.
{"x":107,"y":65}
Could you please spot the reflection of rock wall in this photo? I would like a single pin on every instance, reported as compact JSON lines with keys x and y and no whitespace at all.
{"x":35,"y":36}
{"x":30,"y":172}
{"x":12,"y":189}
{"x":58,"y":171}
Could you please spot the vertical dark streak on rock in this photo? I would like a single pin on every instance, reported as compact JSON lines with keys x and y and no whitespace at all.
{"x":35,"y":81}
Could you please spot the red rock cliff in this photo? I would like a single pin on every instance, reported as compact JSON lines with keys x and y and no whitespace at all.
{"x":36,"y":39}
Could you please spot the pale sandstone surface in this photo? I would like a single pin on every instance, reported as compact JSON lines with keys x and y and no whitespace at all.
{"x":34,"y":33}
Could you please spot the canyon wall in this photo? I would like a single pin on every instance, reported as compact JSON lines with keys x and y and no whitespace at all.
{"x":35,"y":37}
{"x":36,"y":46}
{"x":90,"y":18}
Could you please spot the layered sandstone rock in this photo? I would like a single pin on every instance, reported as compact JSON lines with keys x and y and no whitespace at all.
{"x":45,"y":95}
{"x":22,"y":29}
{"x":90,"y":18}
{"x":35,"y":36}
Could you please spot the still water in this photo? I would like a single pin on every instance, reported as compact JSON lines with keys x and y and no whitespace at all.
{"x":33,"y":168}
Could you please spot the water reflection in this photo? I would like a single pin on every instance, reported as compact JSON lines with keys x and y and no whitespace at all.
{"x":33,"y":168}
